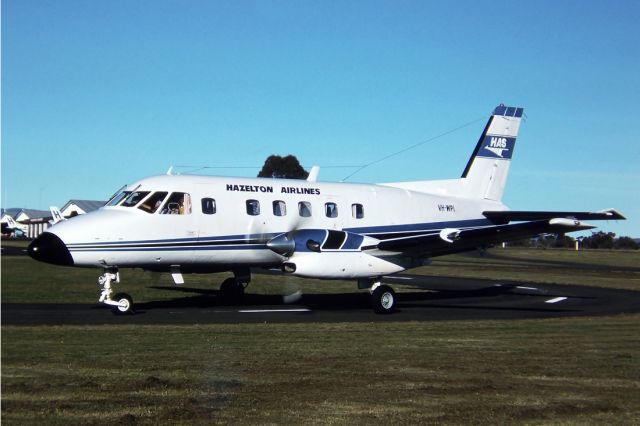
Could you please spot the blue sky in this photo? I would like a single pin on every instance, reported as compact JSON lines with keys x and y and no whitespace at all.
{"x":96,"y":94}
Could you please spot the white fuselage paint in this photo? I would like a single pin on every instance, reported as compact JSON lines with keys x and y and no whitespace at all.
{"x":130,"y":237}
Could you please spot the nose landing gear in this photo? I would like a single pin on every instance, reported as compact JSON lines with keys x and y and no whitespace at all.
{"x":121,"y":303}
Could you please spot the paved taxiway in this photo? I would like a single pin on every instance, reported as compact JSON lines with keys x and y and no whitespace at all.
{"x":420,"y":298}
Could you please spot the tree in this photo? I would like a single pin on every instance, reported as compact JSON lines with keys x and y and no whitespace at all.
{"x":599,"y":240}
{"x":565,"y":241}
{"x":626,"y":243}
{"x":287,"y":167}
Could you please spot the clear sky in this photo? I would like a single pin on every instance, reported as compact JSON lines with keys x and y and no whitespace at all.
{"x":96,"y":94}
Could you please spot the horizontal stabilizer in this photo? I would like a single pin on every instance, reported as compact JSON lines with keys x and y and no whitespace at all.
{"x":502,"y":217}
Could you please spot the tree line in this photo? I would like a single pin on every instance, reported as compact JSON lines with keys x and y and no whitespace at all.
{"x":597,"y":240}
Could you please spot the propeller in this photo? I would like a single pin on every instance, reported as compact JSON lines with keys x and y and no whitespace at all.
{"x":285,"y":244}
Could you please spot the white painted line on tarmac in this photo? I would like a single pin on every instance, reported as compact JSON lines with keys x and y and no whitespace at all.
{"x":526,"y":288}
{"x":556,"y":300}
{"x":260,"y":311}
{"x":399,"y":278}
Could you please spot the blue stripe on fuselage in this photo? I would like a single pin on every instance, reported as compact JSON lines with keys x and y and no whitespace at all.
{"x":248,"y":242}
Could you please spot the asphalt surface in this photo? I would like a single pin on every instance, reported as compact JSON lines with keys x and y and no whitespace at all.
{"x":420,"y":298}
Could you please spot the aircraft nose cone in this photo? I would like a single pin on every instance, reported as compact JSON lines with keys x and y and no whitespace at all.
{"x":49,"y":248}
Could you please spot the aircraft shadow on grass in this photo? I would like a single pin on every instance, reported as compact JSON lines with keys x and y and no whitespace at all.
{"x":449,"y":299}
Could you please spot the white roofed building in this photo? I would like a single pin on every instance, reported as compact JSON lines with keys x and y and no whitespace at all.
{"x":77,"y":207}
{"x":37,"y":221}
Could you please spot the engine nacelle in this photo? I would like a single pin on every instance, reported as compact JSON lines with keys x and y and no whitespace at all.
{"x":337,"y":265}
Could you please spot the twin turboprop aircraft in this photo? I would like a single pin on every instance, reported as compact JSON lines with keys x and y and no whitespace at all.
{"x":200,"y":224}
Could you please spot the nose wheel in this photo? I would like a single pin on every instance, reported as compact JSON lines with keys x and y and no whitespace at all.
{"x":120,"y":303}
{"x":124,"y":303}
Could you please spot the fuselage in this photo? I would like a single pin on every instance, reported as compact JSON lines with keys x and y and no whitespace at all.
{"x":203,"y":223}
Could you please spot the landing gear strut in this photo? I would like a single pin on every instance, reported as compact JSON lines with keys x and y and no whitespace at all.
{"x":121,"y":303}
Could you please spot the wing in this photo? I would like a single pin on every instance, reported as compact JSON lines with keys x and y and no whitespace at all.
{"x":502,"y":217}
{"x":451,"y":240}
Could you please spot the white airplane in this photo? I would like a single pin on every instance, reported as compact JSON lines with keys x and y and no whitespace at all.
{"x":11,"y":227}
{"x":202,"y":224}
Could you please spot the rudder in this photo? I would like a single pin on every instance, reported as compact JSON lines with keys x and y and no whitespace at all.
{"x":486,"y":172}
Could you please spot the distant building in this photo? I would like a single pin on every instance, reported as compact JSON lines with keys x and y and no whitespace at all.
{"x":35,"y":222}
{"x":77,"y":207}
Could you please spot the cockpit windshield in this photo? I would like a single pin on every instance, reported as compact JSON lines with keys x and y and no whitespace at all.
{"x":118,"y":198}
{"x":153,"y":202}
{"x":134,"y":198}
{"x":116,"y":194}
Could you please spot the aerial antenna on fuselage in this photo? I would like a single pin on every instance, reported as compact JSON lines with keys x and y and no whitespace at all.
{"x":170,"y":170}
{"x":313,"y":174}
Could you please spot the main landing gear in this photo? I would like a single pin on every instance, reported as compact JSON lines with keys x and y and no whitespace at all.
{"x":121,"y":303}
{"x":383,"y":298}
{"x":232,"y":289}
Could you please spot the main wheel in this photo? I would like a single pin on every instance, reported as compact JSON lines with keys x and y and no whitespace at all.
{"x":125,"y":303}
{"x":231,"y":291}
{"x":383,"y":299}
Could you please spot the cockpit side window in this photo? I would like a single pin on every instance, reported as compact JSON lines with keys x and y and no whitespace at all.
{"x":177,"y":203}
{"x":134,"y":198}
{"x":116,"y":199}
{"x":153,"y":202}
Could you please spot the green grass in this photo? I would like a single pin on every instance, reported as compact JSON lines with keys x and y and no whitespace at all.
{"x":557,"y":371}
{"x":485,"y":372}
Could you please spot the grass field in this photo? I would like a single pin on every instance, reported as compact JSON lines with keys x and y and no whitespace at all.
{"x":558,"y":371}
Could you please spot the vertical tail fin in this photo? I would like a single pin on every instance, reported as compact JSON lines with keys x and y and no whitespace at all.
{"x":486,"y":172}
{"x":56,"y":215}
{"x":11,"y":223}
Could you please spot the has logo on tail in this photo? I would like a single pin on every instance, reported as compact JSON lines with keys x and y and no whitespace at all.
{"x":500,"y":147}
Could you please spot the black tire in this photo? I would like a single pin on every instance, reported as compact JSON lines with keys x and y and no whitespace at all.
{"x":383,"y":300}
{"x":125,"y":304}
{"x":231,"y":291}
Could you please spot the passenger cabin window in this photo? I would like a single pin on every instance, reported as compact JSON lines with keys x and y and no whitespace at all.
{"x":208,"y":206}
{"x":357,"y":211}
{"x":134,"y":198}
{"x":177,"y":203}
{"x":279,"y":208}
{"x":153,"y":202}
{"x":304,"y":209}
{"x":253,"y":207}
{"x":331,"y":210}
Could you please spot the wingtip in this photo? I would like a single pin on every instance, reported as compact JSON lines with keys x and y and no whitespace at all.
{"x":613,"y":213}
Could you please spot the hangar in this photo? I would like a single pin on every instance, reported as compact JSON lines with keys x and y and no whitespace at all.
{"x":35,"y":222}
{"x":76,"y":207}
